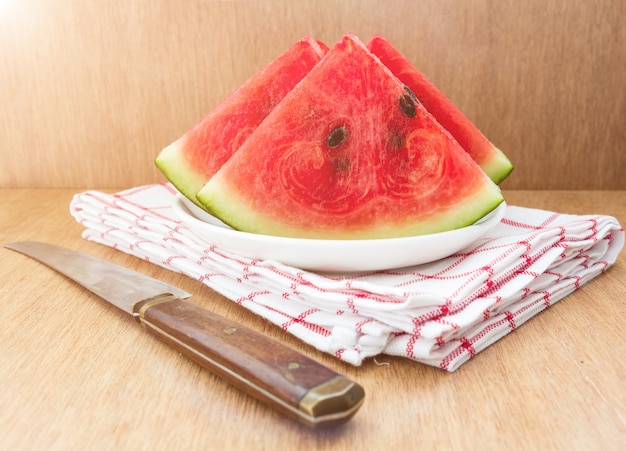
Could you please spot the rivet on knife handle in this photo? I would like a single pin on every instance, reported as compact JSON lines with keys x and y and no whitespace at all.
{"x":262,"y":367}
{"x":287,"y":380}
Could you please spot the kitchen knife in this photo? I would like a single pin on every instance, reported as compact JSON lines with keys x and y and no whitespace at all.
{"x":272,"y":372}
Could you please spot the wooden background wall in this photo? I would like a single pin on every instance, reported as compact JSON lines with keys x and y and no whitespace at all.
{"x":92,"y":90}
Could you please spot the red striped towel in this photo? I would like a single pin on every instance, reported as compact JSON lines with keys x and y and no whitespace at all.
{"x":441,"y":313}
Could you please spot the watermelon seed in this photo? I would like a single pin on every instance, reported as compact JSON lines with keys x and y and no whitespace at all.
{"x":337,"y":136}
{"x":407,"y":105}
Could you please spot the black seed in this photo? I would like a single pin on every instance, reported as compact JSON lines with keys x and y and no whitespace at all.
{"x":337,"y":136}
{"x":407,"y":105}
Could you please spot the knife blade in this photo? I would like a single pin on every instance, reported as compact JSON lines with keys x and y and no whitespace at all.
{"x":283,"y":378}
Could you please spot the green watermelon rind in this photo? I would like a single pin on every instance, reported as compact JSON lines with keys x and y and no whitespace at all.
{"x":183,"y":176}
{"x":225,"y":202}
{"x":498,"y":167}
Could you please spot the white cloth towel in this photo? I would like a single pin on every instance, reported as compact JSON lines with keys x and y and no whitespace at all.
{"x":441,"y":313}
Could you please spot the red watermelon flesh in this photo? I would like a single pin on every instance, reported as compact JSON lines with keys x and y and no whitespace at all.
{"x":350,"y":154}
{"x":192,"y":160}
{"x":490,"y":158}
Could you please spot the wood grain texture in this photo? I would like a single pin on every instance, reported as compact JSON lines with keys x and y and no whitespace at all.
{"x":90,"y":95}
{"x":78,"y":373}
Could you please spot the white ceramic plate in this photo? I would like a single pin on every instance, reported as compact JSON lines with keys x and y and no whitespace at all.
{"x":333,"y":255}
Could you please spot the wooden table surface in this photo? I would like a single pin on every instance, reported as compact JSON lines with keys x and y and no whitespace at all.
{"x":76,"y":373}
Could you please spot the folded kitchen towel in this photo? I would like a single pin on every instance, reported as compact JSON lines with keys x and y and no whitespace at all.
{"x":440,"y":313}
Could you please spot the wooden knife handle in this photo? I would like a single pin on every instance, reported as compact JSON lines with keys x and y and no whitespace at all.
{"x":266,"y":369}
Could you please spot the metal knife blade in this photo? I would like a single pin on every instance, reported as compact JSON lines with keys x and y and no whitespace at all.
{"x":120,"y":286}
{"x":290,"y":382}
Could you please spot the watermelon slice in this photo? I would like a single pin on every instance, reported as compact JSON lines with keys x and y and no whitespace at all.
{"x":490,"y":158}
{"x":192,"y":160}
{"x":350,"y":154}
